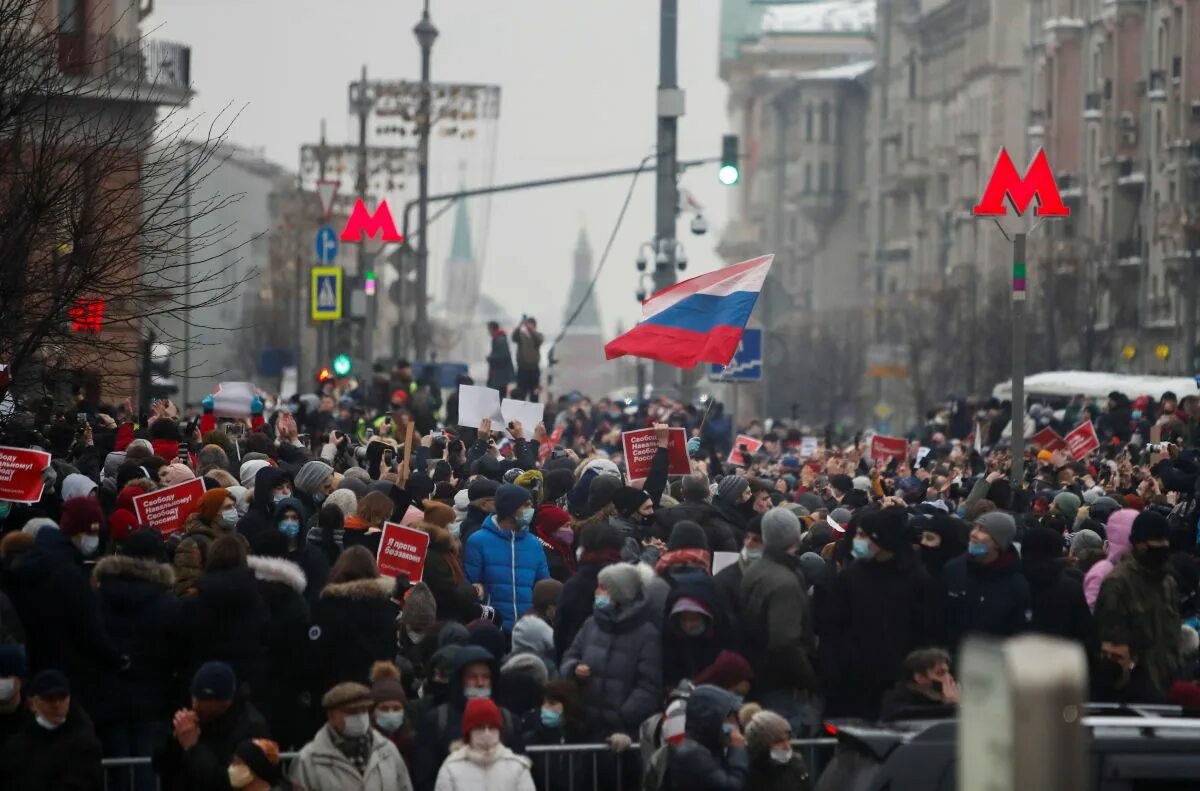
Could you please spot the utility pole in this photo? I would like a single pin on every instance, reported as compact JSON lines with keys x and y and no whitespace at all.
{"x":187,"y":274}
{"x":363,"y":110}
{"x":666,"y":204}
{"x":426,"y":34}
{"x":1018,"y":362}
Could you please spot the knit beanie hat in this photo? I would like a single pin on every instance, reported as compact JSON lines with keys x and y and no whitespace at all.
{"x":249,"y":469}
{"x":727,"y":671}
{"x":546,"y":594}
{"x":622,"y":581}
{"x":754,"y":526}
{"x":1148,"y":526}
{"x":209,"y":504}
{"x":214,"y":681}
{"x":628,"y":499}
{"x":488,"y":636}
{"x":175,"y":473}
{"x":601,"y":492}
{"x":1067,"y":504}
{"x":686,"y":534}
{"x":344,"y":500}
{"x":420,"y":608}
{"x":731,"y":488}
{"x":80,"y":515}
{"x":780,"y":529}
{"x":145,"y":543}
{"x":482,"y":488}
{"x":1086,"y":539}
{"x":765,"y":729}
{"x":437,"y":513}
{"x":386,"y":683}
{"x":841,"y":483}
{"x":261,"y":756}
{"x":558,"y":483}
{"x":358,"y":474}
{"x":480,"y":713}
{"x":1000,"y":526}
{"x":813,"y":565}
{"x":509,"y":498}
{"x":312,"y":476}
{"x":887,"y":527}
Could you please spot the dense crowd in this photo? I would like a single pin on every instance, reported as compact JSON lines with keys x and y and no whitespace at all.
{"x":560,"y":602}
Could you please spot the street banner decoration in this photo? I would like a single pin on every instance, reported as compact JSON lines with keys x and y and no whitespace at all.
{"x":1048,"y":439}
{"x":1082,"y":440}
{"x":698,"y":320}
{"x":402,"y":551}
{"x":752,"y":446}
{"x":21,"y":474}
{"x":165,"y":509}
{"x":641,"y":445}
{"x":884,"y":448}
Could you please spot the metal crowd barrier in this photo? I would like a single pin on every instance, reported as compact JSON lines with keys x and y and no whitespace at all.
{"x":134,"y":774}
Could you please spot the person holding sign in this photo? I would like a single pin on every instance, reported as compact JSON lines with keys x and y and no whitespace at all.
{"x":504,"y":557}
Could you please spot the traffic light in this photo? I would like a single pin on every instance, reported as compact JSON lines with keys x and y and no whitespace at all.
{"x":342,"y":364}
{"x":730,"y":172}
{"x":369,"y":283}
{"x":324,"y":376}
{"x":155,"y":375}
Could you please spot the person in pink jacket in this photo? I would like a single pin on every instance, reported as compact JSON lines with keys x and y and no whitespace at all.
{"x":1119,"y":525}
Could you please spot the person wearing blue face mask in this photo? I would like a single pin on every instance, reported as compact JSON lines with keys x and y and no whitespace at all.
{"x":985,"y":590}
{"x":504,"y":558}
{"x":315,"y":481}
{"x":560,"y":720}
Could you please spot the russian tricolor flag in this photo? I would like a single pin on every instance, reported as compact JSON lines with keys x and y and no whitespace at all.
{"x":698,"y":320}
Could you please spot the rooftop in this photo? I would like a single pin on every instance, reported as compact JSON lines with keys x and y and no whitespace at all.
{"x":820,"y":16}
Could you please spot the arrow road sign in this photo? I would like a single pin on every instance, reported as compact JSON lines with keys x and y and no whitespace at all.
{"x":326,"y":293}
{"x":326,"y":244}
{"x":747,"y":362}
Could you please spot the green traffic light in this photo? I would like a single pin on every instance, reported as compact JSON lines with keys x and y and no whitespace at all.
{"x":728,"y":175}
{"x":341,"y":364}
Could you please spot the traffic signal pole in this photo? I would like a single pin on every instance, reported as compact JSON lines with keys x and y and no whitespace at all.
{"x":666,"y":204}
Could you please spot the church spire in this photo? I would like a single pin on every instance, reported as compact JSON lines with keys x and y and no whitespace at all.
{"x":588,"y":319}
{"x":460,"y":247}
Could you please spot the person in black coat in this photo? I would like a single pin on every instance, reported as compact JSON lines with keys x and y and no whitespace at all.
{"x":729,"y":579}
{"x":289,"y":520}
{"x":144,"y":619}
{"x":722,"y":535}
{"x":271,"y":485}
{"x":443,"y":572}
{"x":560,"y":721}
{"x":601,"y":546}
{"x":985,"y":590}
{"x":696,"y":628}
{"x":226,"y":619}
{"x":886,"y":606}
{"x":941,"y":537}
{"x":66,"y":756}
{"x":1059,"y":606}
{"x":281,"y":584}
{"x":353,"y":623}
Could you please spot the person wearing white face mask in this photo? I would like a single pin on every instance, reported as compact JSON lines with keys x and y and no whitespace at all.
{"x":387,"y":693}
{"x":347,"y":753}
{"x":82,"y":520}
{"x":255,"y":767}
{"x":483,"y":763}
{"x":774,"y":765}
{"x":57,"y":746}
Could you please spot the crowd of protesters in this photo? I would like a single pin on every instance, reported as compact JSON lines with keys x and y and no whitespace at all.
{"x":560,"y":603}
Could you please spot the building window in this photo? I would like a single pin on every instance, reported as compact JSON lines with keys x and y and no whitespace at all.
{"x":823,"y":177}
{"x":808,"y":123}
{"x":824,"y":122}
{"x":837,"y":177}
{"x":912,"y":75}
{"x":808,"y":177}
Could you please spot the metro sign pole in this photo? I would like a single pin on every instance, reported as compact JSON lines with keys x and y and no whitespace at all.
{"x":1006,"y":184}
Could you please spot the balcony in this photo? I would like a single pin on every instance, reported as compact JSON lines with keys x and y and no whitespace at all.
{"x":820,"y":206}
{"x":1129,"y":252}
{"x":1037,"y":125}
{"x":140,"y":70}
{"x":1176,"y":69}
{"x":1129,"y":176}
{"x":1092,"y":106}
{"x":1157,"y":86}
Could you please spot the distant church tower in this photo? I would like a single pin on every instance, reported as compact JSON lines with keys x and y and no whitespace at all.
{"x":580,"y":354}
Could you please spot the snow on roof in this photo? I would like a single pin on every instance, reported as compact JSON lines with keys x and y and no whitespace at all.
{"x":821,"y":16}
{"x":847,"y":71}
{"x":1093,"y":384}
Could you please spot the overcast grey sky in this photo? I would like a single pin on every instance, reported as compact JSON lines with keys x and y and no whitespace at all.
{"x":578,"y":81}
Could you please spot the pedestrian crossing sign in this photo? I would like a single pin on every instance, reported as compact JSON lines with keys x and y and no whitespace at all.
{"x":326,"y":293}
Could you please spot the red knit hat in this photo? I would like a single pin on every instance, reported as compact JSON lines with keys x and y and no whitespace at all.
{"x":727,"y":671}
{"x":480,"y":713}
{"x":79,"y":514}
{"x":1134,"y":502}
{"x":121,"y":523}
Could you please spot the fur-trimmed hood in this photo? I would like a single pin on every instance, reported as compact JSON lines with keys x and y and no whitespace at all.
{"x":377,"y":588}
{"x":137,"y":568}
{"x":278,"y":570}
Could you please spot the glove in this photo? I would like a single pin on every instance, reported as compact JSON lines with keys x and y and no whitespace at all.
{"x":693,"y":446}
{"x":488,"y":613}
{"x":619,"y":742}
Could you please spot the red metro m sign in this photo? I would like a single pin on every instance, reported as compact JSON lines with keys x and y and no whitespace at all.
{"x":370,"y":223}
{"x":1036,"y":185}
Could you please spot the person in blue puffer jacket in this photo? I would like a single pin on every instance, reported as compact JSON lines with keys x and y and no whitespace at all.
{"x":504,"y":558}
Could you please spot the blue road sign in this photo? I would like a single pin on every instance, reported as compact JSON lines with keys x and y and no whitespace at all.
{"x":326,"y":293}
{"x":747,"y":363}
{"x":326,"y":245}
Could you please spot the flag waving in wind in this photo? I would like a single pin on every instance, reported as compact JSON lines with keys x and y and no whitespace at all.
{"x":698,"y":320}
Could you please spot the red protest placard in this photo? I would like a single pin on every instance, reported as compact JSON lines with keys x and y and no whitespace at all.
{"x":885,"y":448}
{"x":641,"y":445}
{"x":165,"y":509}
{"x":21,"y":474}
{"x":1048,"y":439}
{"x":402,"y":550}
{"x":752,"y":445}
{"x":1082,"y":440}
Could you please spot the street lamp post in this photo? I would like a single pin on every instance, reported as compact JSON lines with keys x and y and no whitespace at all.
{"x":666,"y":204}
{"x":426,"y":34}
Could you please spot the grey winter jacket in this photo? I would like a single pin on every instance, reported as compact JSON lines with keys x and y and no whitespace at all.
{"x":777,"y":623}
{"x":321,"y":766}
{"x":623,"y":650}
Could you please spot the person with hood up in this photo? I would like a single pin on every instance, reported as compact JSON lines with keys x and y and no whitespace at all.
{"x":616,"y":658}
{"x":484,"y":762}
{"x":310,"y":560}
{"x":56,"y":747}
{"x":473,"y":676}
{"x":504,"y":559}
{"x":600,"y":546}
{"x":986,"y":592}
{"x":1140,"y":599}
{"x":353,"y":622}
{"x":271,"y":485}
{"x":560,"y":721}
{"x":315,"y":481}
{"x":143,"y":618}
{"x":213,"y":515}
{"x":695,"y":628}
{"x":941,"y":537}
{"x":443,"y":573}
{"x":552,"y":524}
{"x":1116,"y":545}
{"x":777,"y":622}
{"x":712,"y":755}
{"x":720,"y":534}
{"x":774,"y":765}
{"x":866,"y":639}
{"x":347,"y":753}
{"x":1059,"y":607}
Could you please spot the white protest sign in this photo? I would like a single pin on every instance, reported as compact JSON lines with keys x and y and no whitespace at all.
{"x":808,"y":447}
{"x":526,"y":413}
{"x":922,"y":452}
{"x":723,"y":560}
{"x":475,"y":404}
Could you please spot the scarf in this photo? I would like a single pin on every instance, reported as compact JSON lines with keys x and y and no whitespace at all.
{"x":684,"y":557}
{"x":357,"y":751}
{"x":482,"y":757}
